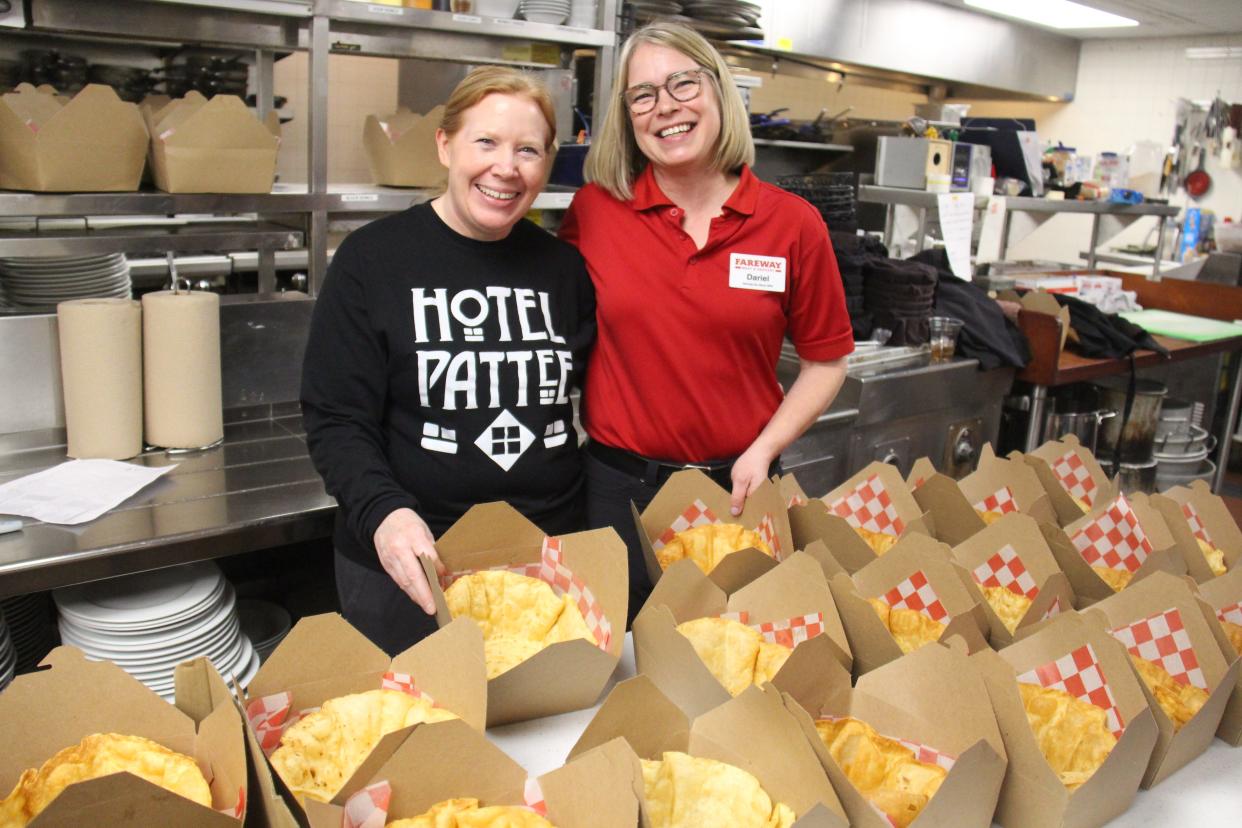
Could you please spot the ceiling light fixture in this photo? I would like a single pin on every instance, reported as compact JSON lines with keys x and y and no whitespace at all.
{"x":1057,"y":14}
{"x":1214,"y":52}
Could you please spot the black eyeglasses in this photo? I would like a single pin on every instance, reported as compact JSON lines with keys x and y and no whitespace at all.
{"x":681,"y":86}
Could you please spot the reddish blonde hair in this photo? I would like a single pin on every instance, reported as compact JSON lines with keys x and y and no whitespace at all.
{"x":497,"y":80}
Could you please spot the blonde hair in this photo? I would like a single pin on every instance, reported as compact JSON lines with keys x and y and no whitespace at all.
{"x":614,"y":161}
{"x":497,"y":80}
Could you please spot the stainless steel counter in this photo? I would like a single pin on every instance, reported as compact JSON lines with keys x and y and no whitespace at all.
{"x":256,"y":491}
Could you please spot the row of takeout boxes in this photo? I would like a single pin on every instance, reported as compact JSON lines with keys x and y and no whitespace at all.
{"x":95,"y":142}
{"x":960,"y":699}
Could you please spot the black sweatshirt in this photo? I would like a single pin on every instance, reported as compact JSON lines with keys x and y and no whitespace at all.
{"x":438,"y":371}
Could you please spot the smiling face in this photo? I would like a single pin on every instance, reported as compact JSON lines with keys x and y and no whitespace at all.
{"x":674,"y":134}
{"x":497,"y":163}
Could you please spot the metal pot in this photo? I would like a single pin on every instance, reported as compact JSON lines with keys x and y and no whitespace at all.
{"x":1085,"y":425}
{"x":1140,"y":433}
{"x":1134,"y":477}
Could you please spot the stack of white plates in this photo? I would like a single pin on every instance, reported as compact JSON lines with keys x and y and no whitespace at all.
{"x":264,"y":623}
{"x":545,"y":11}
{"x":8,"y":655}
{"x":42,"y":282}
{"x":583,"y":14}
{"x":31,"y":628}
{"x":147,"y":624}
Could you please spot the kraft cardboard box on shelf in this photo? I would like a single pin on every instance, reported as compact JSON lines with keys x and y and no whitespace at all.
{"x":96,"y":142}
{"x":1000,"y":485}
{"x":1071,"y":654}
{"x":47,"y":710}
{"x":937,"y":703}
{"x":211,"y":146}
{"x":1012,"y":554}
{"x":1224,"y":596}
{"x":455,"y":761}
{"x":690,"y":498}
{"x":1070,"y":475}
{"x":323,"y":657}
{"x":401,"y":148}
{"x":755,"y":732}
{"x":917,"y":574}
{"x":1162,"y":621}
{"x":790,"y":605}
{"x":875,"y":499}
{"x":568,"y":675}
{"x":1199,"y":518}
{"x":1120,"y":535}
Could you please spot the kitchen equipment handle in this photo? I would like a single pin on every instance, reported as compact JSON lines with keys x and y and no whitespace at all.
{"x":1101,"y":416}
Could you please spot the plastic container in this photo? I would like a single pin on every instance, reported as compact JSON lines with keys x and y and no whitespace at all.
{"x":1140,"y":430}
{"x":942,"y":336}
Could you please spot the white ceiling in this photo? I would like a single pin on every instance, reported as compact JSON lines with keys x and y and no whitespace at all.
{"x":1158,"y":18}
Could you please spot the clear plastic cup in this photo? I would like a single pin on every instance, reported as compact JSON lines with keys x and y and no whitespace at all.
{"x":943,"y":337}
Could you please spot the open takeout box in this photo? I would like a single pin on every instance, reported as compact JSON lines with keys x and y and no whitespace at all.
{"x":211,"y":146}
{"x":1070,"y":475}
{"x":401,"y":148}
{"x":1002,"y":485}
{"x":1224,"y":596}
{"x":1194,"y":514}
{"x":590,"y":566}
{"x":790,"y":604}
{"x":755,"y":732}
{"x":50,"y":709}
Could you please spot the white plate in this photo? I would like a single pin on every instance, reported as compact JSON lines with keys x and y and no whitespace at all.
{"x":210,"y":641}
{"x":545,"y":17}
{"x":252,"y":669}
{"x":144,"y":598}
{"x":208,"y":618}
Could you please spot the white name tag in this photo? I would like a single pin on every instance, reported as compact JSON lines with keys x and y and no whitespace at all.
{"x":752,"y":272}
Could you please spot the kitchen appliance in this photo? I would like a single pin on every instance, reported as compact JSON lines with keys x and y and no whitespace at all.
{"x":908,"y":162}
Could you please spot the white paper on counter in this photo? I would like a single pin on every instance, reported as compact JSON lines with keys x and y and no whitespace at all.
{"x":957,"y":219}
{"x":76,"y":491}
{"x":990,"y":235}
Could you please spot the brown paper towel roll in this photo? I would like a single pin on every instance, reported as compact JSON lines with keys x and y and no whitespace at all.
{"x":181,"y":362}
{"x":101,"y":373}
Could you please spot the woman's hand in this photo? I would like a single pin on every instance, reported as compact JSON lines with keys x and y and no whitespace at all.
{"x":749,"y":472}
{"x":400,"y":541}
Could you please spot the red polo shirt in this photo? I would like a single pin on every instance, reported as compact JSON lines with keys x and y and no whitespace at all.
{"x":684,"y":366}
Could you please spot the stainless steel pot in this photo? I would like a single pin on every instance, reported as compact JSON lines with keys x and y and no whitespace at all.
{"x":1136,"y":442}
{"x":1085,"y":425}
{"x":1134,"y":477}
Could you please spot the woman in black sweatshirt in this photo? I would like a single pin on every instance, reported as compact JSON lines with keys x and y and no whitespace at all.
{"x":442,"y":351}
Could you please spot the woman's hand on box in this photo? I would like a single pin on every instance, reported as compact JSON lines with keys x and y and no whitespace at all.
{"x":401,"y":539}
{"x":749,"y":472}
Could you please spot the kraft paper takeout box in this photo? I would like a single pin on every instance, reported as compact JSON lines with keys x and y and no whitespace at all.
{"x":1013,"y":551}
{"x":95,"y":142}
{"x":1167,"y":602}
{"x":755,"y":732}
{"x":997,"y":481}
{"x":1032,"y":796}
{"x":896,"y":572}
{"x":1088,"y":587}
{"x":50,"y":709}
{"x":1224,"y":596}
{"x":816,"y":519}
{"x":949,"y":514}
{"x":566,"y":676}
{"x":794,"y":589}
{"x":1195,"y":512}
{"x":1068,"y":470}
{"x":211,"y":146}
{"x":689,"y":498}
{"x":324,"y":657}
{"x":456,"y":761}
{"x":932,"y":697}
{"x":401,"y":148}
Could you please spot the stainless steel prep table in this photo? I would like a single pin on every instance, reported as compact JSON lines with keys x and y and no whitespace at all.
{"x":257,"y":490}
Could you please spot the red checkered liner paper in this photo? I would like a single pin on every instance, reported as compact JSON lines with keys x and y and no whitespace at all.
{"x":368,"y":808}
{"x":1001,"y":502}
{"x":239,"y":810}
{"x":1053,"y":609}
{"x":1231,"y":613}
{"x":1005,"y":569}
{"x":869,"y":507}
{"x":1078,"y":673}
{"x":551,"y":570}
{"x":699,"y":513}
{"x":1074,"y":475}
{"x":917,"y":594}
{"x":788,"y":633}
{"x":796,"y":500}
{"x":1114,"y":539}
{"x":532,"y":794}
{"x":1163,"y":640}
{"x":1196,"y":523}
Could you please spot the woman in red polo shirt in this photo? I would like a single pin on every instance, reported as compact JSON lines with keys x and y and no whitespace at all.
{"x":700,"y":271}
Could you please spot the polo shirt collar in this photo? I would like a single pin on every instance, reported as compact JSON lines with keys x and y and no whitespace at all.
{"x":647,"y":193}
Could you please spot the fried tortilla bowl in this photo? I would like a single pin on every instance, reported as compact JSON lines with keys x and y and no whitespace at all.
{"x":519,"y":616}
{"x":911,"y":629}
{"x":466,"y":813}
{"x":710,"y":544}
{"x":1072,"y":734}
{"x":1180,"y":702}
{"x":989,"y":518}
{"x":1234,"y":631}
{"x":319,"y":752}
{"x":1008,"y":605}
{"x":735,"y":654}
{"x":1117,"y":579}
{"x":101,"y":754}
{"x":683,"y":791}
{"x":880,"y":542}
{"x":883,"y":770}
{"x":1215,"y":557}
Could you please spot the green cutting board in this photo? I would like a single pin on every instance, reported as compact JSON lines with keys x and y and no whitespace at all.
{"x":1181,"y":326}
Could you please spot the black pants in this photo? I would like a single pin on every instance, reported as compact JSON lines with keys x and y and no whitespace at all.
{"x":373,"y":603}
